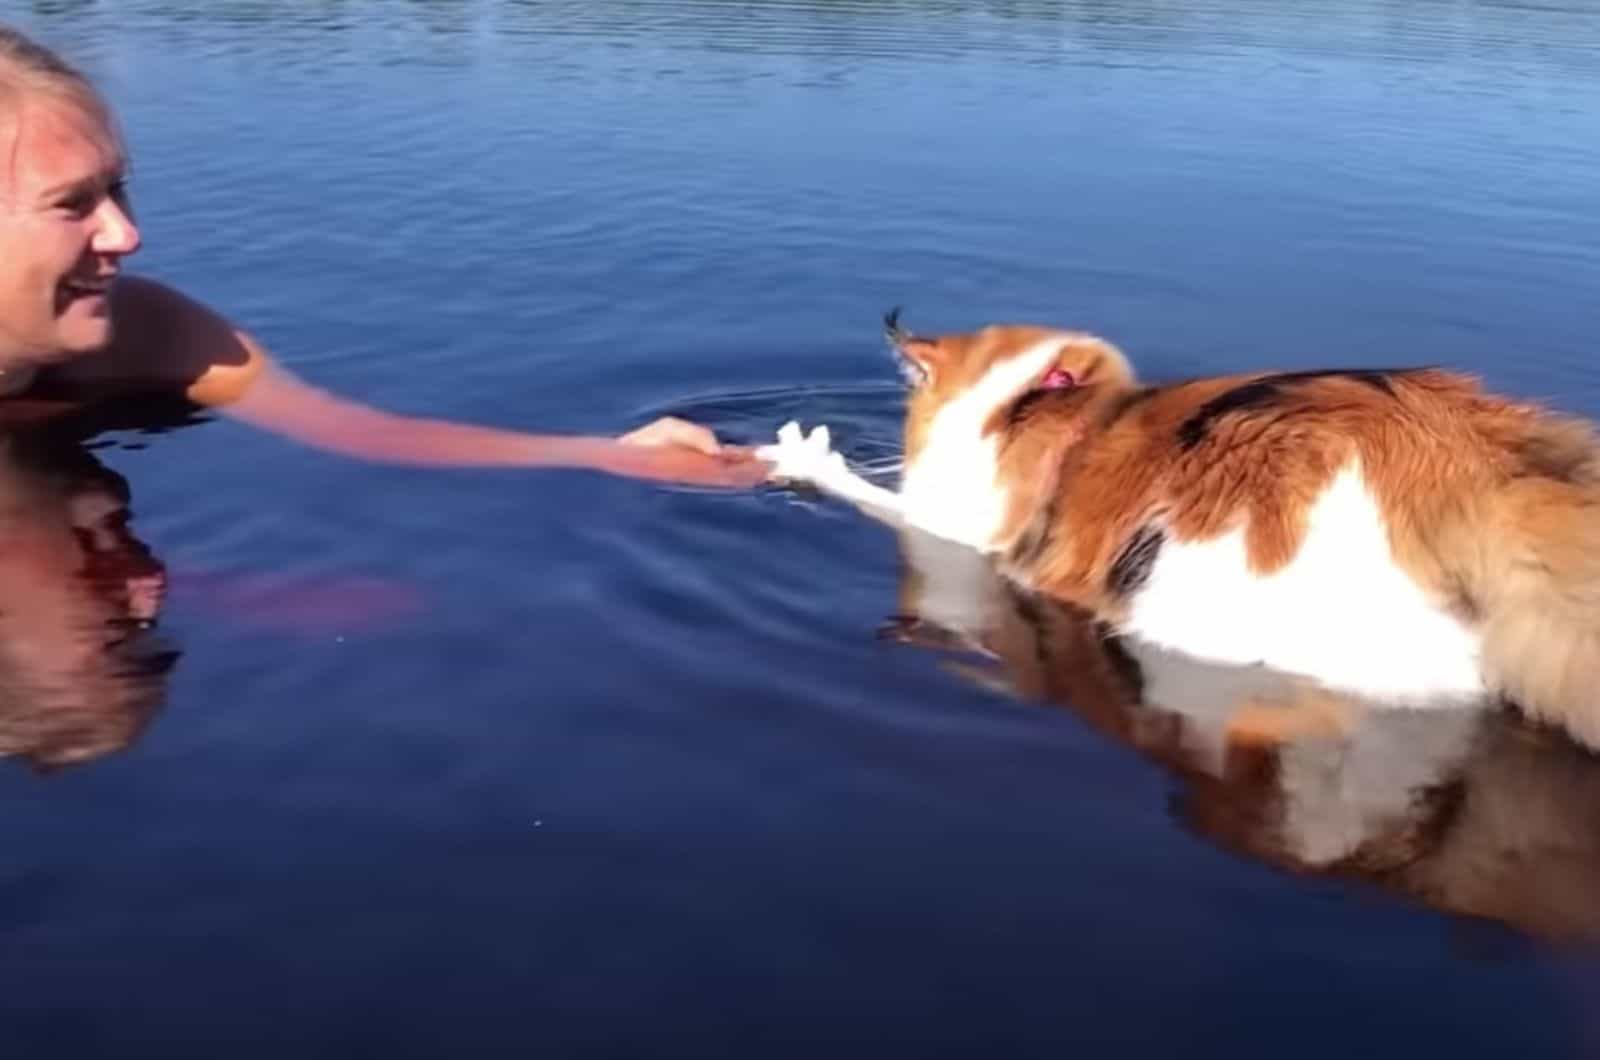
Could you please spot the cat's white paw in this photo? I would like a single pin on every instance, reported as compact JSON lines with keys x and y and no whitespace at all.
{"x":809,"y":459}
{"x":798,"y":457}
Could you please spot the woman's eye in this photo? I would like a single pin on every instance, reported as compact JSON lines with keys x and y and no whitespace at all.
{"x":83,"y":203}
{"x":79,"y":204}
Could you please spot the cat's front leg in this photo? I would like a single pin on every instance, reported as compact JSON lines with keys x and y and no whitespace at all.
{"x":811,"y":459}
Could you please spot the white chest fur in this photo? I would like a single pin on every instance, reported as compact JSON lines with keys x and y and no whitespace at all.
{"x":953,"y":491}
{"x":1341,"y":612}
{"x":954,"y":487}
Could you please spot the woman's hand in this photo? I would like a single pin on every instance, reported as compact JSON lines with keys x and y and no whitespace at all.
{"x":676,"y":450}
{"x":669,"y":430}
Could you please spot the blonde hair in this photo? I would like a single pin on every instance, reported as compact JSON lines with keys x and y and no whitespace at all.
{"x":28,"y":68}
{"x":25,"y":64}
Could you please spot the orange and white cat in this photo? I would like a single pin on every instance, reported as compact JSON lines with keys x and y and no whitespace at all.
{"x":1398,"y":533}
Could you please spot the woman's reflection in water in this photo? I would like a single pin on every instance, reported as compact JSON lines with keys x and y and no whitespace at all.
{"x":1471,"y":811}
{"x":81,"y":668}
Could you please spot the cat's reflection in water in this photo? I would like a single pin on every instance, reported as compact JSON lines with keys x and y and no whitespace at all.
{"x":1469,"y":810}
{"x":81,"y":668}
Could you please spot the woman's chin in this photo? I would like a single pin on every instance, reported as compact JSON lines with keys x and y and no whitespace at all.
{"x":82,"y":330}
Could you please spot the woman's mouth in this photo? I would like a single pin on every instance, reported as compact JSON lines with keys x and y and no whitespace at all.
{"x":95,"y":288}
{"x":86,"y":292}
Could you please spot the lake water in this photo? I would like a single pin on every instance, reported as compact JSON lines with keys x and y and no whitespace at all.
{"x":452,"y":763}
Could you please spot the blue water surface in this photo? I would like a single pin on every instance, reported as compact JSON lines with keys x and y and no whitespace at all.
{"x":550,"y":763}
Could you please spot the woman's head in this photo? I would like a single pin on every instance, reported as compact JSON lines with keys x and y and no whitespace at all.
{"x":65,"y":225}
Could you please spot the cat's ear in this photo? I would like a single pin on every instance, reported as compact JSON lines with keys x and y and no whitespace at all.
{"x":1087,"y":360}
{"x":919,"y":358}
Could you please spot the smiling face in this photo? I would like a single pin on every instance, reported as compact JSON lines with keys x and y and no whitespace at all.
{"x":65,"y":227}
{"x":993,"y":367}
